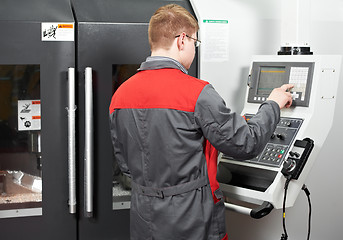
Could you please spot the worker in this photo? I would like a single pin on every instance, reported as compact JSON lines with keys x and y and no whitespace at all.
{"x":167,"y":128}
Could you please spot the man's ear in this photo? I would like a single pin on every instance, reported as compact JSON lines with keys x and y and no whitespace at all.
{"x":181,"y":41}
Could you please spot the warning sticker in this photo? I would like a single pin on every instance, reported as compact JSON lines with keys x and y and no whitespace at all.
{"x":57,"y":31}
{"x":215,"y":47}
{"x":29,"y":117}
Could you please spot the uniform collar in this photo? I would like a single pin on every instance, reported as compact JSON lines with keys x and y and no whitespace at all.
{"x":159,"y":62}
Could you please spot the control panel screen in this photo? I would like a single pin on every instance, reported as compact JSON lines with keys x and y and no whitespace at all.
{"x":265,"y":76}
{"x":270,"y":78}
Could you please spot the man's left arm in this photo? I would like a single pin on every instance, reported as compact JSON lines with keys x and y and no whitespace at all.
{"x":228,"y":132}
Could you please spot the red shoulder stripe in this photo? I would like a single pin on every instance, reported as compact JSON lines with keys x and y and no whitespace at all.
{"x":162,"y":88}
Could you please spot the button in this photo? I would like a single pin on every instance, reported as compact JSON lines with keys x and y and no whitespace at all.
{"x":280,"y":136}
{"x":280,"y":156}
{"x":295,"y":95}
{"x":282,"y":151}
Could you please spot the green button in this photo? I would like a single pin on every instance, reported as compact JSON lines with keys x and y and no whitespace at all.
{"x":282,"y":151}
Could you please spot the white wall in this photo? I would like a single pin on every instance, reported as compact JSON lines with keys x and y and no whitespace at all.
{"x":254,"y":28}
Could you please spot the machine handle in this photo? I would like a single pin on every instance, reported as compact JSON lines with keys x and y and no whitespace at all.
{"x":263,"y":210}
{"x":71,"y":141}
{"x":237,"y":208}
{"x":88,"y":169}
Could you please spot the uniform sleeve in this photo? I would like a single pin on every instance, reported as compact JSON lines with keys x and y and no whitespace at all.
{"x":117,"y":146}
{"x":228,"y":132}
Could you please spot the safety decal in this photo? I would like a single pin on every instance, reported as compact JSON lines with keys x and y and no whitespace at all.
{"x":215,"y":40}
{"x":29,"y":115}
{"x":57,"y":32}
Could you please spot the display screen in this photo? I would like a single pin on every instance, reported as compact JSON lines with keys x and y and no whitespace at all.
{"x":266,"y":76}
{"x":270,"y":78}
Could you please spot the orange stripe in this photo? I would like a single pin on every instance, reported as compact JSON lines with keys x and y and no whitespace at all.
{"x":65,"y":25}
{"x":36,"y":117}
{"x":265,"y":71}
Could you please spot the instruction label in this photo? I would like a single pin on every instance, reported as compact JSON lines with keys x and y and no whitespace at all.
{"x":215,"y":40}
{"x":57,"y":32}
{"x":29,"y":115}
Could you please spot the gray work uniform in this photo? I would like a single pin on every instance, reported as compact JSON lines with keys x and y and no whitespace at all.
{"x":162,"y":122}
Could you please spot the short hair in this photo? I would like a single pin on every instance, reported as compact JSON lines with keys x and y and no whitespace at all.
{"x":167,"y":22}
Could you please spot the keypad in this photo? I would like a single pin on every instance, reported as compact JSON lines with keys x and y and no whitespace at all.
{"x":273,"y":154}
{"x":277,"y":148}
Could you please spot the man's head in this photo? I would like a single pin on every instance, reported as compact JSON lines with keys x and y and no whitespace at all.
{"x":167,"y":22}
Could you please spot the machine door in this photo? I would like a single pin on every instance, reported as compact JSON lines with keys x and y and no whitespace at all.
{"x":107,"y":61}
{"x":111,"y":47}
{"x":33,"y":122}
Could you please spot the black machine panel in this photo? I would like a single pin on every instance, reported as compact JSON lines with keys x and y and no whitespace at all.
{"x":112,"y":39}
{"x":32,"y":69}
{"x":276,"y":149}
{"x":265,"y":76}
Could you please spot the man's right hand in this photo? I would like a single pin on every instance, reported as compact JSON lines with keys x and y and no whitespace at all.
{"x":282,"y":96}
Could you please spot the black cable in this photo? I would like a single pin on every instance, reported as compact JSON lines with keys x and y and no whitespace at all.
{"x":307,"y":192}
{"x":284,"y":236}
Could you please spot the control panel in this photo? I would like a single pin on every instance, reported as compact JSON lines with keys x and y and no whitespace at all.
{"x":298,"y":137}
{"x":265,"y":76}
{"x":276,"y":149}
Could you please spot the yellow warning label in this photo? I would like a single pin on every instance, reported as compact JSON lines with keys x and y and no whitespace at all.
{"x":65,"y":25}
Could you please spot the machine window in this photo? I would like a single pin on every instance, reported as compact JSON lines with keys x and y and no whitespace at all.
{"x":121,"y":183}
{"x":122,"y":72}
{"x":20,"y":146}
